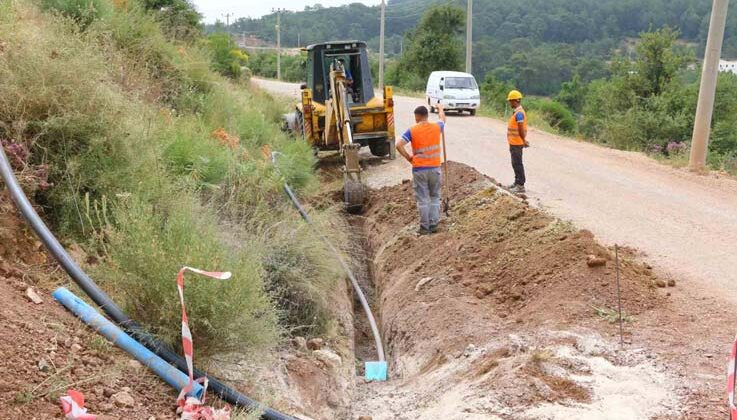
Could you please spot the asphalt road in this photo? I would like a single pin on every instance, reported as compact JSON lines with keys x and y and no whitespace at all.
{"x":685,"y":224}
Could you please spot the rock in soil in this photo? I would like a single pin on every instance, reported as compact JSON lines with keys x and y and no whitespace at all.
{"x":299,"y":343}
{"x":594,"y":261}
{"x":315,"y":343}
{"x":123,"y":399}
{"x":329,"y":358}
{"x":671,"y":283}
{"x":660,"y":283}
{"x":422,"y":282}
{"x":33,"y":296}
{"x":43,"y":365}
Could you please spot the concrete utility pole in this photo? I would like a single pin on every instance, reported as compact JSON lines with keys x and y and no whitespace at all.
{"x":227,"y":19}
{"x":381,"y":46}
{"x":469,"y":36}
{"x":278,"y":44}
{"x":707,"y":91}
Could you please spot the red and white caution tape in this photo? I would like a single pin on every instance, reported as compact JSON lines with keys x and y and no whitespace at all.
{"x":191,"y":408}
{"x":72,"y":405}
{"x":730,"y":381}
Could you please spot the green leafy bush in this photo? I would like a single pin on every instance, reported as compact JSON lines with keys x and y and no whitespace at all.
{"x":556,"y":114}
{"x":228,"y":59}
{"x":292,"y":66}
{"x":179,"y":18}
{"x":84,"y":12}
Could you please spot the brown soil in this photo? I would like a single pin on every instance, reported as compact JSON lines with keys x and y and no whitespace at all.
{"x":495,"y":258}
{"x":45,"y":350}
{"x":500,"y":269}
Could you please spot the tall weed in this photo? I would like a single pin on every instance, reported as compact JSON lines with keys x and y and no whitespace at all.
{"x":125,"y":119}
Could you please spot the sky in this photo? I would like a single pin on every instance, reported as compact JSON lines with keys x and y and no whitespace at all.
{"x":216,"y":9}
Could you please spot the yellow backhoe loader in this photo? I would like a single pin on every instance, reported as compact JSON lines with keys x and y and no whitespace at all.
{"x":339,"y":111}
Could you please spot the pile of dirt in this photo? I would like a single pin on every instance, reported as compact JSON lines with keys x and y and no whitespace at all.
{"x":46,"y":351}
{"x":497,"y":307}
{"x":497,"y":252}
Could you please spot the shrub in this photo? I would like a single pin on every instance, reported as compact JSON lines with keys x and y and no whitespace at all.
{"x":227,"y":57}
{"x":196,"y":154}
{"x":151,"y":243}
{"x":292,"y":66}
{"x":179,"y":18}
{"x":556,"y":114}
{"x":494,"y":94}
{"x":84,"y":12}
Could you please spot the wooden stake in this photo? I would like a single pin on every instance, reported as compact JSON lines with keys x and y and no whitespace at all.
{"x":619,"y":297}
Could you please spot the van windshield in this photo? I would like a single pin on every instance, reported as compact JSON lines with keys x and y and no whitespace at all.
{"x":460,"y":83}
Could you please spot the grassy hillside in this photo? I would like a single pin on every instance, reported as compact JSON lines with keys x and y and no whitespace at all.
{"x":136,"y":149}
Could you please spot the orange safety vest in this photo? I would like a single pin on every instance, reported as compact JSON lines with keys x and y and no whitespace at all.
{"x":513,"y":136}
{"x":426,"y":145}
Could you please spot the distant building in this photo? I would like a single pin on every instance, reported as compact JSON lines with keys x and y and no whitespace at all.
{"x":730,"y":66}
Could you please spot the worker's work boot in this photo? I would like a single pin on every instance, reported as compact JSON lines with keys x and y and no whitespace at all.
{"x":433,"y":228}
{"x":518,"y":189}
{"x":424,"y":231}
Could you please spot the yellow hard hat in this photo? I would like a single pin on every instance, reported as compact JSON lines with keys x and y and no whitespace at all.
{"x":514,"y":95}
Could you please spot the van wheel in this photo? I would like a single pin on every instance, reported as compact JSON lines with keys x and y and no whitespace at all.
{"x":472,"y":112}
{"x":429,"y":104}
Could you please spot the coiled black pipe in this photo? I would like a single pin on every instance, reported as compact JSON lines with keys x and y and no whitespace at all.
{"x":109,"y":307}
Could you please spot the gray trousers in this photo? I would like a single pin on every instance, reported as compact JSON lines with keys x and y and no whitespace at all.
{"x":427,"y":185}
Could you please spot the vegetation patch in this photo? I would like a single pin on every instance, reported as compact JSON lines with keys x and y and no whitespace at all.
{"x":152,"y":140}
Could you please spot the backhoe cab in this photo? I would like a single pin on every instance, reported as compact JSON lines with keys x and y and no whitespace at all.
{"x":339,"y":110}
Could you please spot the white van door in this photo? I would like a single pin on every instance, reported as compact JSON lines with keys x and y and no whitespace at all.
{"x":432,"y":89}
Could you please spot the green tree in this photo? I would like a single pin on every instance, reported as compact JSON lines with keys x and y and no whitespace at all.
{"x":179,"y":18}
{"x":658,"y":61}
{"x":435,"y":44}
{"x":227,"y":57}
{"x":573,"y":94}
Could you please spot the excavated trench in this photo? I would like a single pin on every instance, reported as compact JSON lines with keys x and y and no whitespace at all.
{"x":363,"y":340}
{"x":492,"y":317}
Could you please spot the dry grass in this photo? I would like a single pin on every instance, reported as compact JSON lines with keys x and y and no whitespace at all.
{"x":124,"y":119}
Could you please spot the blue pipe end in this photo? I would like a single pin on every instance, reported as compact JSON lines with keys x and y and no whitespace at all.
{"x":103,"y":326}
{"x":376,"y":371}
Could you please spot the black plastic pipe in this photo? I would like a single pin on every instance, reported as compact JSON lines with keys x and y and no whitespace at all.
{"x":354,"y":282}
{"x":102,"y":300}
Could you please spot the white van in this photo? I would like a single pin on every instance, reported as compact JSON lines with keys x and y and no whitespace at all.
{"x":455,"y":90}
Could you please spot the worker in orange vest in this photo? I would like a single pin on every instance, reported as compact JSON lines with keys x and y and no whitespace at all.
{"x":426,"y":162}
{"x":517,"y":139}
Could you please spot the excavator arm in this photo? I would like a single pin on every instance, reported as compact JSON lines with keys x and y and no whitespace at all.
{"x":338,"y":122}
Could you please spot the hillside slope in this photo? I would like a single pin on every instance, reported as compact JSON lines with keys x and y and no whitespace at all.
{"x":46,"y":350}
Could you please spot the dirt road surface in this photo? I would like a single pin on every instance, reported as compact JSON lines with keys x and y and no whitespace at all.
{"x":684,"y":223}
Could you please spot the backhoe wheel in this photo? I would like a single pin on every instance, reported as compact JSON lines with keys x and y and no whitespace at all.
{"x":379,"y":148}
{"x":300,"y":131}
